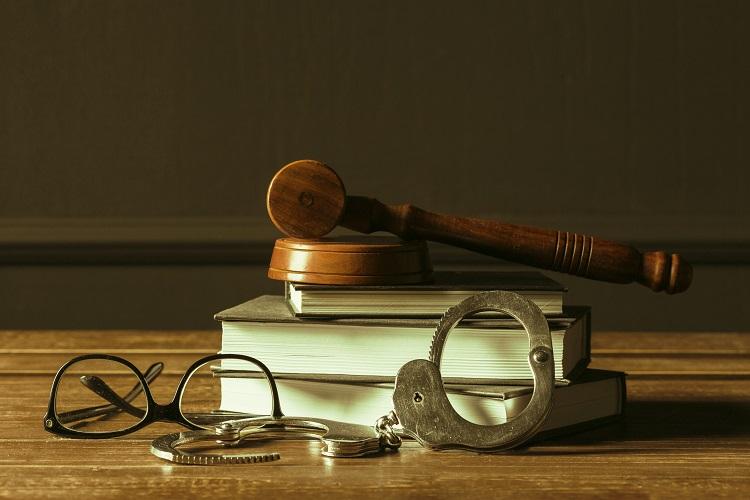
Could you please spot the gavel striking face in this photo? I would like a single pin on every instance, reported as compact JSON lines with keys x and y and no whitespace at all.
{"x":307,"y":199}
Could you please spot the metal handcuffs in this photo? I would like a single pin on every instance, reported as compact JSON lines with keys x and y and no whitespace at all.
{"x":421,"y":407}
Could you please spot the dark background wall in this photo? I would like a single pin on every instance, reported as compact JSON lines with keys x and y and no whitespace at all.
{"x":137,"y":140}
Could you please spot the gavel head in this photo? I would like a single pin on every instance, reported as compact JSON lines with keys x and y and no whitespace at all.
{"x":306,"y":199}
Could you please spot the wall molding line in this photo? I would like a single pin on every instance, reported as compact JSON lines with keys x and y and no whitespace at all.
{"x":249,"y":240}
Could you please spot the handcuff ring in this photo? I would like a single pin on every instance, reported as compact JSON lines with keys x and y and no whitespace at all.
{"x":422,"y":405}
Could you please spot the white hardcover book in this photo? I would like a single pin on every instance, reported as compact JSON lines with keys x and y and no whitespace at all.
{"x":373,"y":350}
{"x":597,"y":395}
{"x":424,"y":300}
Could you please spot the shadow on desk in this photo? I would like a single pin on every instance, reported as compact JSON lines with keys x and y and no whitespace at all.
{"x":698,"y":424}
{"x":685,"y":419}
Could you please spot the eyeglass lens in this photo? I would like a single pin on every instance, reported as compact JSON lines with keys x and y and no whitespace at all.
{"x":99,"y":395}
{"x":218,"y":390}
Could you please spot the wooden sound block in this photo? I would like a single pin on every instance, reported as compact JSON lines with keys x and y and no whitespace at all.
{"x":351,"y":260}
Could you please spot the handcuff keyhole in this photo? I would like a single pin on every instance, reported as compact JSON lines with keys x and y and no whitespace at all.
{"x":418,"y":398}
{"x":540,"y":356}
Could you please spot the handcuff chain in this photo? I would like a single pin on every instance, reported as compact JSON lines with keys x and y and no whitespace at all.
{"x":384,"y":426}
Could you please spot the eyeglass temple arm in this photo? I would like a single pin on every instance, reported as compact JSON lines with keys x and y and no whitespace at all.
{"x":117,"y":403}
{"x":100,"y":387}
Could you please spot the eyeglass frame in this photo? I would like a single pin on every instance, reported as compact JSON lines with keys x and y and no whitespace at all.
{"x":155,"y":412}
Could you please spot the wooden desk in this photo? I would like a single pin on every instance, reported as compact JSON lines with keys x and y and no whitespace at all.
{"x":686,"y":433}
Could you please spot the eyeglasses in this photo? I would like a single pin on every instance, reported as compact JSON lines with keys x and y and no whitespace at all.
{"x":97,"y":396}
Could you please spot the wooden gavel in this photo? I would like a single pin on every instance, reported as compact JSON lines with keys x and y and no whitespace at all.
{"x":306,"y":199}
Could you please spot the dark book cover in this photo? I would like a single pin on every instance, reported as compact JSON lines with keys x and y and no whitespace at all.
{"x":273,"y":309}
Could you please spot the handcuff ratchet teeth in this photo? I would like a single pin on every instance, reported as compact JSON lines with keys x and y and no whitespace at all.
{"x":339,"y":439}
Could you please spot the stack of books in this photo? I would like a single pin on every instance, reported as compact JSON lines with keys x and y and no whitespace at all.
{"x":335,"y":351}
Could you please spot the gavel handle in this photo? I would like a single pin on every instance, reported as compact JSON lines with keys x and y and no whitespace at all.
{"x":561,"y":251}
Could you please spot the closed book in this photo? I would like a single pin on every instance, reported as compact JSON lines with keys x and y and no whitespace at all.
{"x":424,"y":300}
{"x":597,"y":396}
{"x":373,"y":349}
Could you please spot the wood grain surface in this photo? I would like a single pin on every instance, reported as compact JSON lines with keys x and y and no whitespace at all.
{"x":685,"y":433}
